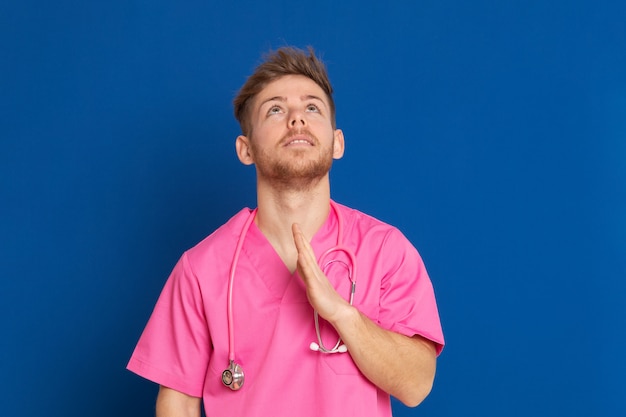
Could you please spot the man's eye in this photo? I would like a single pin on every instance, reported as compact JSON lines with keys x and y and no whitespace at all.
{"x":274,"y":110}
{"x":312,"y":108}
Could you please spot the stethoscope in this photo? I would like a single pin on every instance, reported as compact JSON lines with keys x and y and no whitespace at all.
{"x":233,"y":376}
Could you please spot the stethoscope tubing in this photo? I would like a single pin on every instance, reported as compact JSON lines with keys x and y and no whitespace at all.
{"x":351,"y":275}
{"x":231,"y":281}
{"x":231,"y":284}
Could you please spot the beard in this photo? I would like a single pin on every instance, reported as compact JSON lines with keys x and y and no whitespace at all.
{"x":300,"y":171}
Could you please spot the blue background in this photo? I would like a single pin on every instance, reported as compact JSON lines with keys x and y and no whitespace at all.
{"x":493,"y":133}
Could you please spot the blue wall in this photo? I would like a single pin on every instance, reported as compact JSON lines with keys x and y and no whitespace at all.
{"x":492,"y":133}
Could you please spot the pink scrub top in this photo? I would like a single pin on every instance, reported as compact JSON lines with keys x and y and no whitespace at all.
{"x":185,"y":343}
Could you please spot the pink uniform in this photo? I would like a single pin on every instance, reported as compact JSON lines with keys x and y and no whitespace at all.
{"x":185,"y":343}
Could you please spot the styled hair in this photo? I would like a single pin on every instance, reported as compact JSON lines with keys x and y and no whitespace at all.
{"x":276,"y":64}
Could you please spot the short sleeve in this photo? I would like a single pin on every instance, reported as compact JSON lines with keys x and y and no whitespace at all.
{"x":407,"y":301}
{"x":175,"y":345}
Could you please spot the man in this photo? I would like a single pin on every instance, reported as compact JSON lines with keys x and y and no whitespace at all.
{"x":252,"y":297}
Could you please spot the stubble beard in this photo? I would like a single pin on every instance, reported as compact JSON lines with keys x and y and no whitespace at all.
{"x":298,"y":173}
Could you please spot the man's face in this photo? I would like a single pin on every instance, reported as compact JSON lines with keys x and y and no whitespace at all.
{"x":292,"y":141}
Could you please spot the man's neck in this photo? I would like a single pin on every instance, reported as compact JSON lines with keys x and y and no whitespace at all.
{"x":279,"y":209}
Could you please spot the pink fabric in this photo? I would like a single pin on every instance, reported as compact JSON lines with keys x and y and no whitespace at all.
{"x":185,"y":343}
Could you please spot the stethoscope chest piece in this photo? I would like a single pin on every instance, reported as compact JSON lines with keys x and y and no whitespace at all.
{"x":233,"y":376}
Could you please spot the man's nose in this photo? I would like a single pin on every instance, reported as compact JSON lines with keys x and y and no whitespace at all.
{"x":297,"y":119}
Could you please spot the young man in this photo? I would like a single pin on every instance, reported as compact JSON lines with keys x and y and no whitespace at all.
{"x":235,"y":322}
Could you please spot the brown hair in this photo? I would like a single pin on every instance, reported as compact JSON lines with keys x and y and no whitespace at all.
{"x":284,"y":61}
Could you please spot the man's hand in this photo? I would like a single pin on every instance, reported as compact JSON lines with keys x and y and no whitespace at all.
{"x":321,"y":294}
{"x":400,"y":365}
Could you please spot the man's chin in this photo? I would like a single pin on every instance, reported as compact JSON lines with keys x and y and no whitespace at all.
{"x":296,"y":180}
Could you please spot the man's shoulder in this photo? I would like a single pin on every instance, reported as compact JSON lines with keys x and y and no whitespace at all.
{"x":371,"y":230}
{"x":223,"y":237}
{"x":360,"y":219}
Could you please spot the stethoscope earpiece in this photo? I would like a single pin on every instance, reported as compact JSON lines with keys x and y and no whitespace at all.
{"x":316,"y":348}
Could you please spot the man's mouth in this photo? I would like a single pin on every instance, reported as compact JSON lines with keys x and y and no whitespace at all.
{"x":300,"y":139}
{"x":299,"y":142}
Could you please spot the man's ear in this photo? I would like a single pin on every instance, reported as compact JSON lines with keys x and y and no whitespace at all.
{"x":242,"y":146}
{"x":338,"y":144}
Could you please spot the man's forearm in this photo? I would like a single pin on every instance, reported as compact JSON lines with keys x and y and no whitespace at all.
{"x":401,"y":366}
{"x":171,"y":403}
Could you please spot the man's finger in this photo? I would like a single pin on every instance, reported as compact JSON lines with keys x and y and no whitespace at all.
{"x":306,"y":256}
{"x":302,"y":245}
